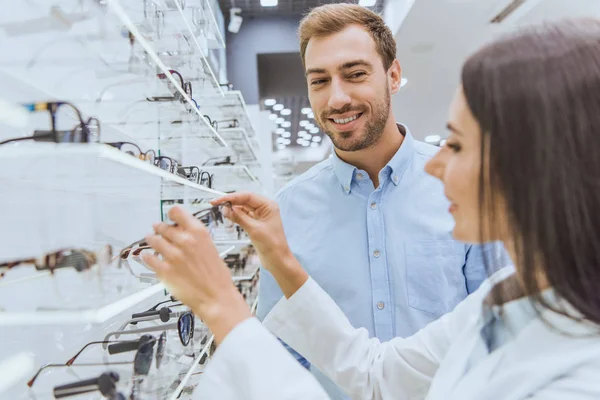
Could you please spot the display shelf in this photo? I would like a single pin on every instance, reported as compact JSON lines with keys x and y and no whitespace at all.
{"x":242,"y":276}
{"x":97,"y":315}
{"x":176,"y":393}
{"x":230,"y":106}
{"x":90,"y":168}
{"x":231,"y":177}
{"x":240,"y":144}
{"x":103,"y":68}
{"x":15,"y":369}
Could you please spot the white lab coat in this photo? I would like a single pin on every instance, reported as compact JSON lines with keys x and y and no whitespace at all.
{"x":539,"y":364}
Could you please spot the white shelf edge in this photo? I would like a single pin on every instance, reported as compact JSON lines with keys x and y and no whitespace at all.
{"x":96,"y":316}
{"x":106,"y":152}
{"x":233,"y":242}
{"x":115,"y":5}
{"x":188,"y":375}
{"x":16,"y":368}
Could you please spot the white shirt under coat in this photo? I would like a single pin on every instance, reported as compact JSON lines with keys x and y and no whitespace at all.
{"x":447,"y":360}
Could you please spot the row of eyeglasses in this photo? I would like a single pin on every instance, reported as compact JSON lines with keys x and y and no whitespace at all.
{"x":89,"y":131}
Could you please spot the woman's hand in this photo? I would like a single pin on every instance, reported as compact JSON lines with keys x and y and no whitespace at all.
{"x":260,"y":219}
{"x":193,"y":271}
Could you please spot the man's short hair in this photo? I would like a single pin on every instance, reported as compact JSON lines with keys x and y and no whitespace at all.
{"x":333,"y":18}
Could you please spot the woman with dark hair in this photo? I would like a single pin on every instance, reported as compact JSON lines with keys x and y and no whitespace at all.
{"x":521,"y":165}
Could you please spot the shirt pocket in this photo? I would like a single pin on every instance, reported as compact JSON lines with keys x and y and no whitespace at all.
{"x":434,"y":275}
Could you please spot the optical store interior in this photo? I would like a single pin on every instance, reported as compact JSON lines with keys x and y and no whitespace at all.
{"x":112,"y":112}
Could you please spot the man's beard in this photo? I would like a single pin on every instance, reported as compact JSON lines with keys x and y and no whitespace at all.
{"x":372,"y":131}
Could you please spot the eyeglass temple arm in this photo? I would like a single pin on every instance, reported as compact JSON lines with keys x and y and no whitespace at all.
{"x":166,"y":327}
{"x":72,"y":359}
{"x":43,"y":367}
{"x":143,"y":318}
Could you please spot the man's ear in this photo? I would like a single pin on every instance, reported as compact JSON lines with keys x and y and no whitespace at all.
{"x":395,"y":76}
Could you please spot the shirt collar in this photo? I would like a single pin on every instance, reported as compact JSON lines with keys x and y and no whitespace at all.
{"x":394,"y":169}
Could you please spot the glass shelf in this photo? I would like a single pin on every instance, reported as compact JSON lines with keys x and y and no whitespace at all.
{"x":240,"y":144}
{"x":232,"y":177}
{"x":230,"y":106}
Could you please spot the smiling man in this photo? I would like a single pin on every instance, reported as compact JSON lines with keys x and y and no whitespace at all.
{"x":368,"y":224}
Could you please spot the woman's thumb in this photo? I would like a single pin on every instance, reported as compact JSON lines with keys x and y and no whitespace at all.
{"x":240,"y":217}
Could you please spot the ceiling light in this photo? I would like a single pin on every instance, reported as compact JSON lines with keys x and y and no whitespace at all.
{"x":301,"y":133}
{"x":279,"y":131}
{"x":303,"y":122}
{"x":286,"y":134}
{"x":281,"y":146}
{"x":308,"y":126}
{"x":316,"y":139}
{"x":442,"y":142}
{"x":364,"y":3}
{"x":306,"y":110}
{"x":270,"y":102}
{"x":311,"y":115}
{"x":279,"y":120}
{"x":433,"y":139}
{"x":286,"y":124}
{"x":314,"y":130}
{"x":278,"y":107}
{"x":287,"y":141}
{"x":268,"y":3}
{"x":305,"y":144}
{"x":273,"y":117}
{"x":300,"y":140}
{"x":314,"y":144}
{"x":280,"y":140}
{"x":286,"y":111}
{"x":403,"y":82}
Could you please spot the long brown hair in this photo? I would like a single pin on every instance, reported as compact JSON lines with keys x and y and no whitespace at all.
{"x":536,"y":96}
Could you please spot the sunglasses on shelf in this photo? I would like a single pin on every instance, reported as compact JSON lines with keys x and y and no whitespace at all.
{"x":134,"y":150}
{"x":124,"y":346}
{"x":185,"y":326}
{"x":78,"y":259}
{"x":106,"y":384}
{"x":144,"y":347}
{"x":84,"y":132}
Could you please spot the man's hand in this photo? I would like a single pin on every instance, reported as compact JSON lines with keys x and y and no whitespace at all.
{"x":193,"y":271}
{"x":260,"y":218}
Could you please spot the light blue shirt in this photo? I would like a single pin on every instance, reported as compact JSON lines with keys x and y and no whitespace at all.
{"x":385,"y":255}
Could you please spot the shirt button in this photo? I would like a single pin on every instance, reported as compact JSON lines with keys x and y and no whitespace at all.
{"x":376,"y":253}
{"x":359,"y":176}
{"x":396,"y":178}
{"x":380,"y":305}
{"x":373,"y":205}
{"x":347,"y":188}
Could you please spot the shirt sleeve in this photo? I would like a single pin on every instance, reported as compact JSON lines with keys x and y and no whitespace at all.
{"x":250,"y":364}
{"x":363,"y":367}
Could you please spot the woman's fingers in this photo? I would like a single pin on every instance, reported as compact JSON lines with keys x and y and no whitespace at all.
{"x":183,"y":218}
{"x":161,"y":245}
{"x":172,"y":233}
{"x":156,"y":264}
{"x":239,"y":216}
{"x":247,"y":199}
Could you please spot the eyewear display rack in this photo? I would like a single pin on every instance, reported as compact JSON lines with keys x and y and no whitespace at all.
{"x":137,"y":75}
